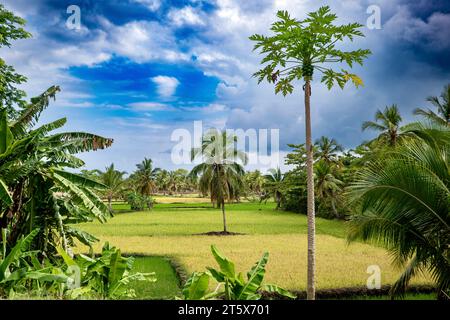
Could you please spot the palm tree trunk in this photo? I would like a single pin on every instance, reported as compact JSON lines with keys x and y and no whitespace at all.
{"x":224,"y":217}
{"x":311,"y":290}
{"x":110,"y":203}
{"x":278,"y":200}
{"x":335,"y":212}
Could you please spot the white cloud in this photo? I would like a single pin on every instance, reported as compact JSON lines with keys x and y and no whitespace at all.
{"x":211,"y":108}
{"x":186,"y":16}
{"x":166,"y":86}
{"x":150,"y":106}
{"x":153,"y":5}
{"x":143,"y":41}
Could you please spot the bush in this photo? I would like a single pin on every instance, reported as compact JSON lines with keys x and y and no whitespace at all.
{"x":139,"y":202}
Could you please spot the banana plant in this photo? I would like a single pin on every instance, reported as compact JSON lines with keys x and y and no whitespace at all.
{"x":231,"y":285}
{"x":21,"y":266}
{"x":106,"y":276}
{"x":36,"y":190}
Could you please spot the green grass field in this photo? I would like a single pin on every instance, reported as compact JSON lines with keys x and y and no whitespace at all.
{"x":167,"y":285}
{"x":171,"y":231}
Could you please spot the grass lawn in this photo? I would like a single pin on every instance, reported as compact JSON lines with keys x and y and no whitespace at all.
{"x":170,"y":230}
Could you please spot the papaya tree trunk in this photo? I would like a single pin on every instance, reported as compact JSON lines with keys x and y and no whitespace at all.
{"x":311,"y":290}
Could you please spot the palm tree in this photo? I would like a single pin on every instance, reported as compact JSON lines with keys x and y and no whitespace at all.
{"x":328,"y":186}
{"x":443,"y":108}
{"x":275,"y":184}
{"x":294,"y":52}
{"x":388,"y":123}
{"x":161,"y":181}
{"x":402,"y":203}
{"x":145,"y":177}
{"x":254,"y":182}
{"x":327,"y":150}
{"x":220,"y":173}
{"x":113,"y":180}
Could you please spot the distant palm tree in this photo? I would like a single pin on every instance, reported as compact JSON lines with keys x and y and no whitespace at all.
{"x":145,"y":176}
{"x":327,"y":149}
{"x":388,"y":123}
{"x":443,"y":108}
{"x":113,"y":180}
{"x":274,"y":184}
{"x":220,"y":173}
{"x":161,"y":181}
{"x":328,"y":186}
{"x":254,"y":182}
{"x":402,"y":202}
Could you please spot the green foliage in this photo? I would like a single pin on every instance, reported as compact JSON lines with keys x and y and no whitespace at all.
{"x":402,"y":202}
{"x":232,"y":285}
{"x":294,"y":192}
{"x":106,"y":276}
{"x":299,"y":48}
{"x":388,"y":123}
{"x":11,"y":28}
{"x":114,"y":183}
{"x":221,"y":173}
{"x":21,"y":271}
{"x":442,"y":104}
{"x":143,"y":179}
{"x":139,"y":202}
{"x":35,"y":190}
{"x":274,"y":185}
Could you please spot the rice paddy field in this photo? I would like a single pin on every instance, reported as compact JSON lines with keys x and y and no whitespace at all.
{"x":171,"y":234}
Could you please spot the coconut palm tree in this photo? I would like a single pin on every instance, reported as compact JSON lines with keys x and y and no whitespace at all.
{"x":294,"y":52}
{"x":388,"y":123}
{"x":274,"y":184}
{"x":114,"y":182}
{"x":402,"y":202}
{"x":161,"y":181}
{"x":327,"y":150}
{"x":145,"y":177}
{"x":221,"y":171}
{"x":443,"y":108}
{"x":328,"y":186}
{"x":254,"y":182}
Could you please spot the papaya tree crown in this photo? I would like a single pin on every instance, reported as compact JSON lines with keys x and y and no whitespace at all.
{"x":299,"y":48}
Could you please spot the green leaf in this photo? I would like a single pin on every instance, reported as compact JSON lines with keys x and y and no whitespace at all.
{"x":6,"y":136}
{"x":5,"y":196}
{"x":196,"y":286}
{"x":275,"y":289}
{"x":47,"y":277}
{"x":254,"y":277}
{"x":217,"y":275}
{"x":22,"y":245}
{"x":226,"y":266}
{"x":67,"y":259}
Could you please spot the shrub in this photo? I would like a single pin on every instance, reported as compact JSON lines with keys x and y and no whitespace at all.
{"x":139,"y":202}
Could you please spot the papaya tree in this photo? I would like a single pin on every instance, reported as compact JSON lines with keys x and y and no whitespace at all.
{"x":296,"y":50}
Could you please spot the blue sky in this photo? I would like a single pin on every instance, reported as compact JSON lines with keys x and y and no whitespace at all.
{"x":139,"y":69}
